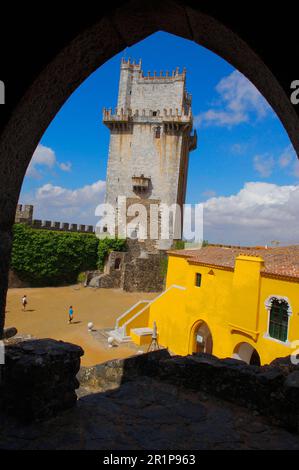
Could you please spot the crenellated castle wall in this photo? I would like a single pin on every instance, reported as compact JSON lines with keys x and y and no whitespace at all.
{"x":24,"y":214}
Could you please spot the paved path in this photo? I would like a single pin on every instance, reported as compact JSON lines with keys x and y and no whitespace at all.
{"x":148,"y":414}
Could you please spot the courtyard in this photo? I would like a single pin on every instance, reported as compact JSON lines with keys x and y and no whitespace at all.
{"x":46,"y":316}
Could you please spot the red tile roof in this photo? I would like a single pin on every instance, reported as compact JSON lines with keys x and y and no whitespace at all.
{"x":280,"y":261}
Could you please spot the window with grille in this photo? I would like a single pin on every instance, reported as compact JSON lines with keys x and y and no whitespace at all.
{"x":279,"y":319}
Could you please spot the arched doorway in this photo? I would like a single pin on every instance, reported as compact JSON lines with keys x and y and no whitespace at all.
{"x":201,"y":337}
{"x":247,"y":353}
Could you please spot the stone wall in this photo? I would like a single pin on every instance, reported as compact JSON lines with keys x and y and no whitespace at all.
{"x":38,"y":379}
{"x":24,"y":214}
{"x":144,"y":274}
{"x":271,"y":390}
{"x":139,"y":270}
{"x":61,"y":226}
{"x":112,"y":374}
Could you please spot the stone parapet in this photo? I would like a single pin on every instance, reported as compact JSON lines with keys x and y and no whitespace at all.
{"x":38,"y":379}
{"x":61,"y":226}
{"x":271,"y":391}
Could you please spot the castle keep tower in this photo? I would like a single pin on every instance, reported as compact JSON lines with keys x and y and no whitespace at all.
{"x":150,"y":137}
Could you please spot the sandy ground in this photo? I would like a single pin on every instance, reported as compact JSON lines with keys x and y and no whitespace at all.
{"x":46,"y":316}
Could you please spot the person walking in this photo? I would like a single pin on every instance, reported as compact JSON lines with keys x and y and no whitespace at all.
{"x":71,"y":313}
{"x":24,"y":302}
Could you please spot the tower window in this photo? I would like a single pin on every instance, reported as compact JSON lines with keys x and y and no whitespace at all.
{"x":197,"y":279}
{"x":279,"y":320}
{"x":154,"y":113}
{"x":158,"y":132}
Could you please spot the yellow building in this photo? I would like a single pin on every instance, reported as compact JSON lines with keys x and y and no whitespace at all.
{"x":230,"y":302}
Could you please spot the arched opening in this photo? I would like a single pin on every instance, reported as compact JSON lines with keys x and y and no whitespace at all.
{"x":94,"y":46}
{"x":201,"y":338}
{"x":247,"y":353}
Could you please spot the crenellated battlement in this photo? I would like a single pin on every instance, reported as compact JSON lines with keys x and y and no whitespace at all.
{"x":24,"y":214}
{"x":170,"y":114}
{"x":133,"y":66}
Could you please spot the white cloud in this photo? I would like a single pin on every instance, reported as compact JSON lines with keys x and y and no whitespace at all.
{"x":209,"y":193}
{"x":257,"y":214}
{"x":238,"y":101}
{"x":57,"y":203}
{"x":264,"y":165}
{"x":287,"y":156}
{"x":44,"y":157}
{"x":238,"y":149}
{"x":65,"y":166}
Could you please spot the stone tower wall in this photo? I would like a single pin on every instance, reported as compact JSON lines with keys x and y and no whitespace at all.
{"x":24,"y":214}
{"x":139,"y":152}
{"x":150,"y":137}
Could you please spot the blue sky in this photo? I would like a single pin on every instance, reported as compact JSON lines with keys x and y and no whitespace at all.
{"x":244,"y":168}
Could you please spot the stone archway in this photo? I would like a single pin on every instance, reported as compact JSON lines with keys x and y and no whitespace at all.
{"x":92,"y":43}
{"x":201,"y":338}
{"x":247,"y":353}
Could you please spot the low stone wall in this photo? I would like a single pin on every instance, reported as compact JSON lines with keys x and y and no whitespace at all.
{"x":272,"y":391}
{"x":112,"y":374}
{"x":38,"y":379}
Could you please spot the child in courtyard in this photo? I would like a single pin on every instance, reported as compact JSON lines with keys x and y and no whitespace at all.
{"x":71,"y":313}
{"x":24,"y":302}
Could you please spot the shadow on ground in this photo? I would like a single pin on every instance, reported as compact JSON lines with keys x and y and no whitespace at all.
{"x":147,"y":414}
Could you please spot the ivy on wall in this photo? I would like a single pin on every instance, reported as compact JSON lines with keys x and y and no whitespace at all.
{"x":52,"y":258}
{"x":48,"y":258}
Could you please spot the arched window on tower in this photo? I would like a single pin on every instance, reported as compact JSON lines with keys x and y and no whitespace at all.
{"x":279,"y":319}
{"x":158,"y":132}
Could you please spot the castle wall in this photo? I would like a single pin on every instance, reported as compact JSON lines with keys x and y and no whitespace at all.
{"x":24,"y":215}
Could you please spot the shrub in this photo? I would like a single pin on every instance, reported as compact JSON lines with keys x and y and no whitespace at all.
{"x":164,"y":267}
{"x":48,"y":258}
{"x":81,"y":277}
{"x":179,"y":245}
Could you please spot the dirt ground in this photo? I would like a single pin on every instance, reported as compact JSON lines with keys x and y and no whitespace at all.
{"x":46,"y":316}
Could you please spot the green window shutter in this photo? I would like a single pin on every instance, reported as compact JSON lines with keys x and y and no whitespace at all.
{"x":279,"y":319}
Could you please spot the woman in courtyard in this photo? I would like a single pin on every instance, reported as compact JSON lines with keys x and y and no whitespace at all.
{"x":71,"y":313}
